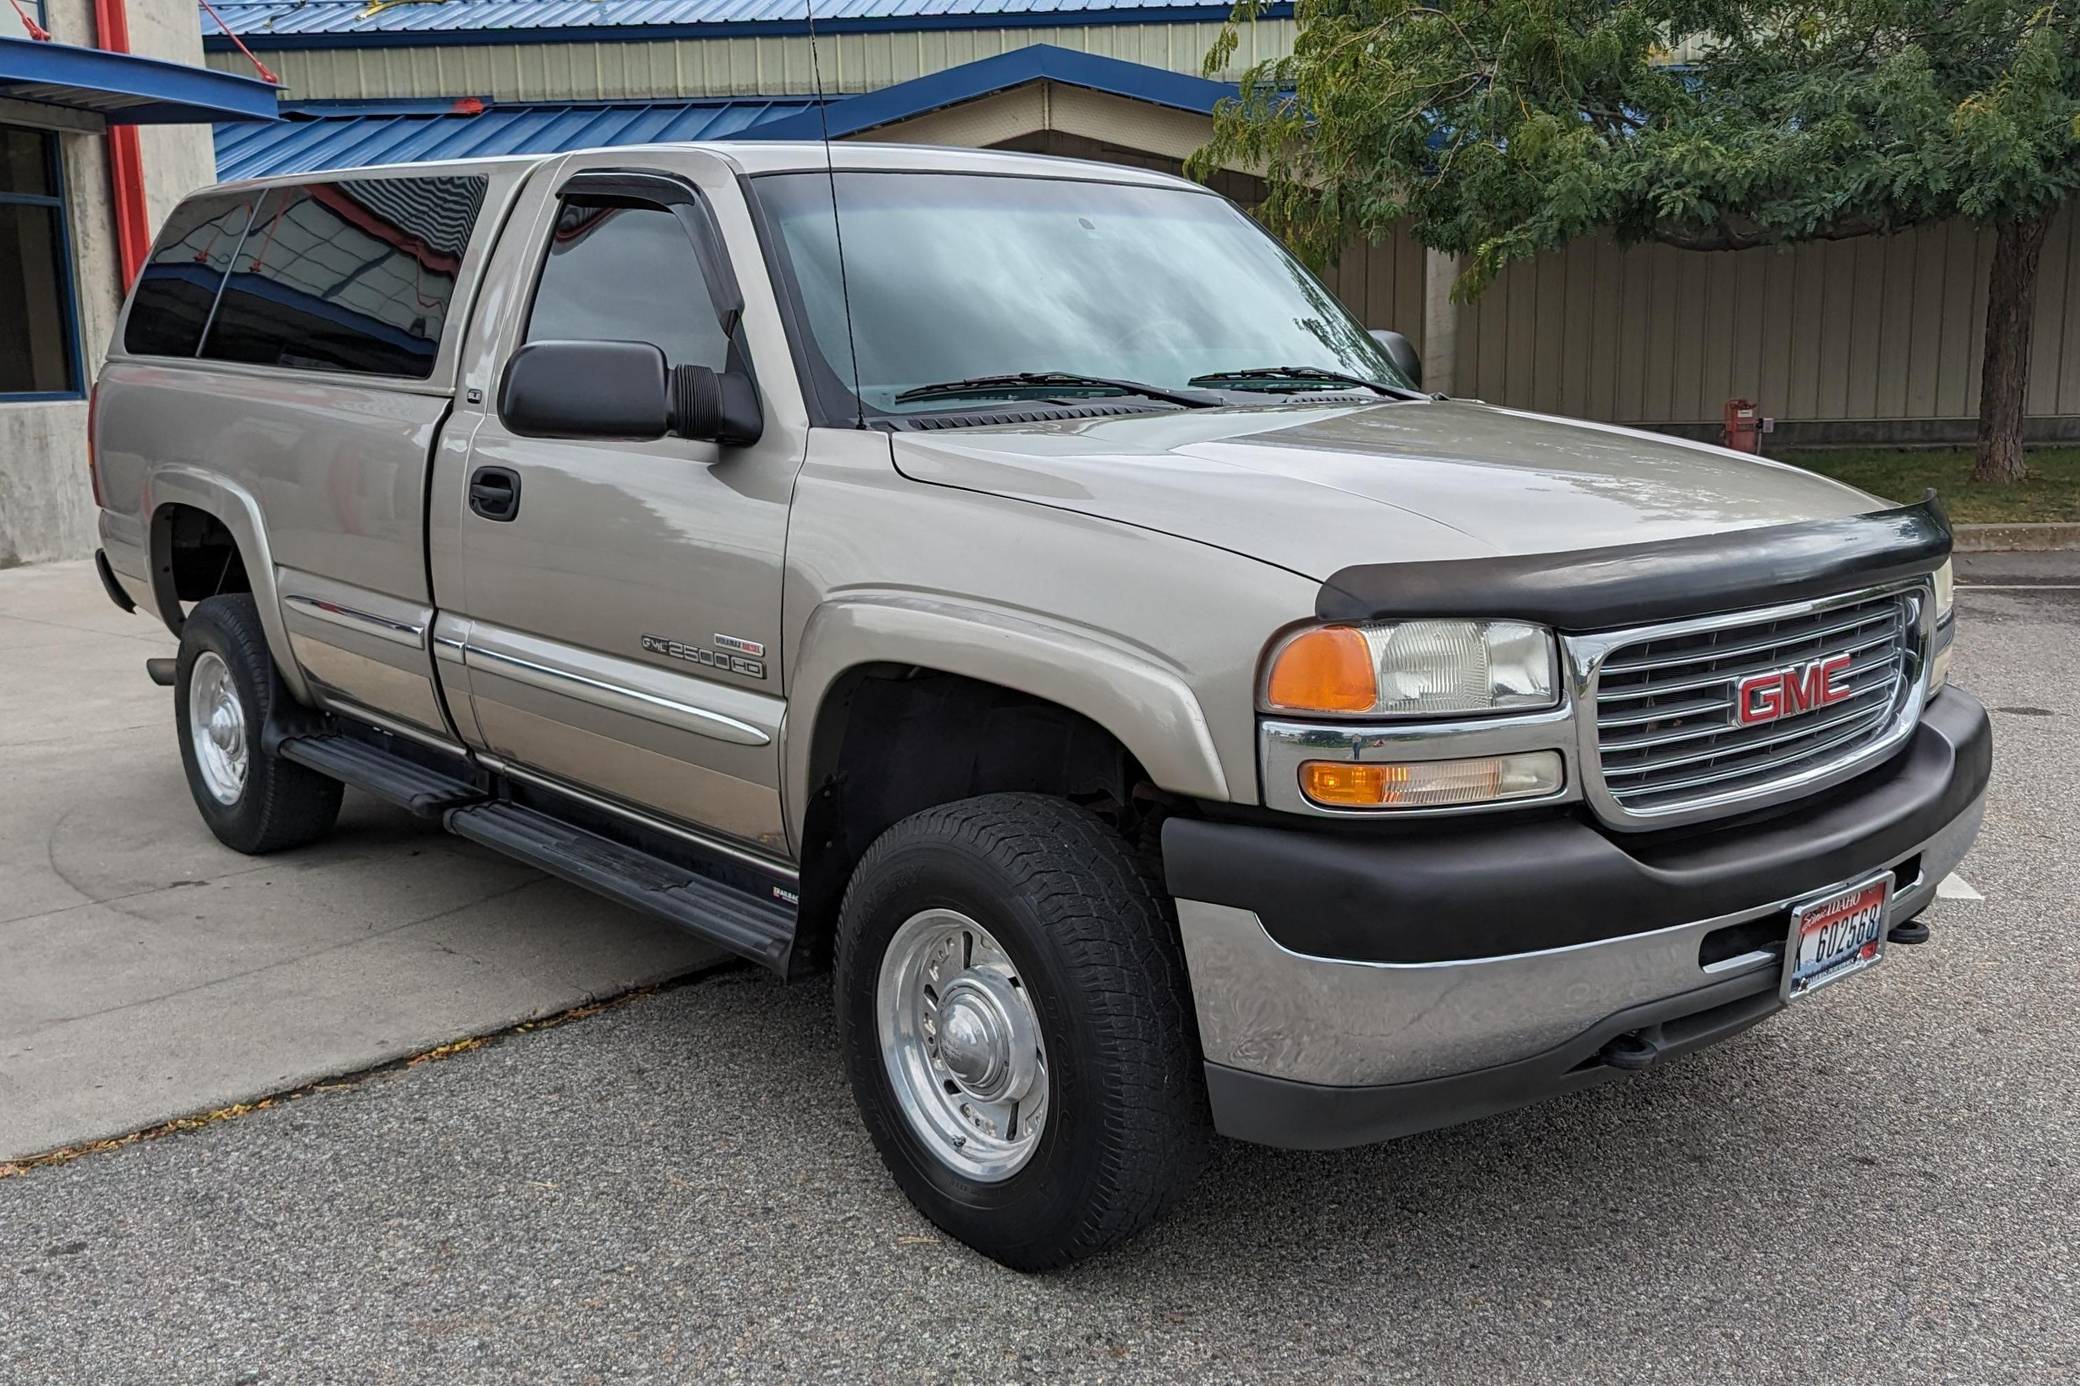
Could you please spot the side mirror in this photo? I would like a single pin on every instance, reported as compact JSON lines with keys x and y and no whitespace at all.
{"x":624,"y":390}
{"x":586,"y":390}
{"x":1401,"y":352}
{"x":715,"y":406}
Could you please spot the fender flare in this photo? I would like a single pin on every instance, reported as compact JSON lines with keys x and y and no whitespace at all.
{"x":235,"y":508}
{"x":1121,"y":687}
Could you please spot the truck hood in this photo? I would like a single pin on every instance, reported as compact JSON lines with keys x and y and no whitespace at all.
{"x":1316,"y":487}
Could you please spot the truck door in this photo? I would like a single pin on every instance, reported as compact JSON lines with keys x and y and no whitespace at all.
{"x":615,"y":606}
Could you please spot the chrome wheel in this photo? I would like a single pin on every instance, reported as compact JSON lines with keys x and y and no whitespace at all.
{"x":961,"y":1042}
{"x":217,"y":728}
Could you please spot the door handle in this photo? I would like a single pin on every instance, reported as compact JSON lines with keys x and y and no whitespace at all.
{"x":494,"y":492}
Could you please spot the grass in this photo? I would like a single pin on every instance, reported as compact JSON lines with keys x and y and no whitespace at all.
{"x":2052,"y":491}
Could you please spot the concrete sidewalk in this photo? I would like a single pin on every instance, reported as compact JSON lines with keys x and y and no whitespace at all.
{"x":148,"y":972}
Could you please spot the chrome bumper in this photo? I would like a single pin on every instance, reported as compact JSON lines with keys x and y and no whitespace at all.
{"x":1264,"y":1009}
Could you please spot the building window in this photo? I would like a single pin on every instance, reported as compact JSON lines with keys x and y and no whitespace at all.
{"x":39,"y":353}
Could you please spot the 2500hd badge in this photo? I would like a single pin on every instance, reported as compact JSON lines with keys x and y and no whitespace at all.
{"x":712,"y":659}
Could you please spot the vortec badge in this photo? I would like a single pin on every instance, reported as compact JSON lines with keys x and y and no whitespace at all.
{"x":1788,"y":692}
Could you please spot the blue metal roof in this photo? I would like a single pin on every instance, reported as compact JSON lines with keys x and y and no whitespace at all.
{"x":125,"y":89}
{"x":347,"y":23}
{"x":356,"y":134}
{"x":1036,"y":62}
{"x":339,"y":134}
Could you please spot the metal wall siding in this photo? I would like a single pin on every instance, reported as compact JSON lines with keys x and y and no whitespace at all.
{"x":616,"y":70}
{"x":1383,"y":284}
{"x":1876,"y":328}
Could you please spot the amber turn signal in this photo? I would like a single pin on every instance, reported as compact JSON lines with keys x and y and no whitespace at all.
{"x":1347,"y":784}
{"x":1328,"y":669}
{"x":1431,"y":783}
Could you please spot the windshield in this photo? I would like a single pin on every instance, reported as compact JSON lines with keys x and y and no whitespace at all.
{"x":956,"y":276}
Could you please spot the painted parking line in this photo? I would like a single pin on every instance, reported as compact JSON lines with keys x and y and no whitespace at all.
{"x":1956,"y":887}
{"x":2020,"y":586}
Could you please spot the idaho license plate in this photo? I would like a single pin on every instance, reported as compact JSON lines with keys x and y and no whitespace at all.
{"x":1836,"y":935}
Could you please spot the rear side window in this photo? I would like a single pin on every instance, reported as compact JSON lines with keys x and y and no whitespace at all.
{"x":179,"y":284}
{"x":627,"y":273}
{"x":356,"y":275}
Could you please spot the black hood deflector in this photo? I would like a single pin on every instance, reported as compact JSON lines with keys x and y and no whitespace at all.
{"x":1637,"y":584}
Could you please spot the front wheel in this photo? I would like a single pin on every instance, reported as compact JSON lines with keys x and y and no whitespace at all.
{"x":1018,"y":1027}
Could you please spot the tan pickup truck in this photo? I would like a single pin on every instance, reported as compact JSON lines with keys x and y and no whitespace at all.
{"x":1019,"y":586}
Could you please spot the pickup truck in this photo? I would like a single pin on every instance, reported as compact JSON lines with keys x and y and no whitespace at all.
{"x":1017,"y":587}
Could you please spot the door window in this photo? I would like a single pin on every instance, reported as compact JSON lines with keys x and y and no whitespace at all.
{"x":620,"y":272}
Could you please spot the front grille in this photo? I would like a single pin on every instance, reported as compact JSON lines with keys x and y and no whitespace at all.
{"x":1666,"y":734}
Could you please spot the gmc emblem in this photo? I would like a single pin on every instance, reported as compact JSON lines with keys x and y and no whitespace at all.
{"x":1788,"y":692}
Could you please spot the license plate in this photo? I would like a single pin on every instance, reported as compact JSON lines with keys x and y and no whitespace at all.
{"x":1836,"y":935}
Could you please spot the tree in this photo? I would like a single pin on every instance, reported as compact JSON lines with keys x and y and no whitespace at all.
{"x":1502,"y":128}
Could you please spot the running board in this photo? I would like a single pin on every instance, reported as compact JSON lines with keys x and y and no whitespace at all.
{"x":406,"y":783}
{"x":746,"y":924}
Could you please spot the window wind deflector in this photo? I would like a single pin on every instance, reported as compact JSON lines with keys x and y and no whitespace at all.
{"x":1032,"y":382}
{"x":1302,"y":375}
{"x":646,"y":187}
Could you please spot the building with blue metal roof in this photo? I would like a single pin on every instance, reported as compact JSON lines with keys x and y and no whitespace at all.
{"x":1852,"y":341}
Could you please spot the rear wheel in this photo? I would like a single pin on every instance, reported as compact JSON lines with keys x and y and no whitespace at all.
{"x":1018,"y":1027}
{"x":225,"y":685}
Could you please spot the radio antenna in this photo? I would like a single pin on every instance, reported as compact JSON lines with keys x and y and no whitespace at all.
{"x":830,"y":172}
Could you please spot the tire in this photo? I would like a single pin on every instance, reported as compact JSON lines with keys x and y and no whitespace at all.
{"x":1071,"y":924}
{"x":254,"y":802}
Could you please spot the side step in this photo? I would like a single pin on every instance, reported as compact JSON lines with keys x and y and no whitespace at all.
{"x":759,"y":929}
{"x":406,"y":783}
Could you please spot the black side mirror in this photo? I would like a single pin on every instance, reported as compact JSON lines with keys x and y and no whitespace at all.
{"x":715,"y":406}
{"x":587,"y":390}
{"x":1401,"y":352}
{"x":624,"y":390}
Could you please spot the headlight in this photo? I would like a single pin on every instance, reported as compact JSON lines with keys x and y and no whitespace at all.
{"x":1946,"y":628}
{"x":1413,"y":669}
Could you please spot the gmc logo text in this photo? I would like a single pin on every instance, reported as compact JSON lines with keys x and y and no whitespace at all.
{"x":1788,"y":692}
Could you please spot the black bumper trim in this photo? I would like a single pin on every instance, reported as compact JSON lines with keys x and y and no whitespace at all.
{"x":1502,"y":888}
{"x":1633,"y":584}
{"x":109,"y":584}
{"x":1316,"y":1116}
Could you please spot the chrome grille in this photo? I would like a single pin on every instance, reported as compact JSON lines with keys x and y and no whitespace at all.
{"x":1666,"y":735}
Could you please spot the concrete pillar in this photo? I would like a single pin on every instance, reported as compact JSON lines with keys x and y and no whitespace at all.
{"x":1440,"y":322}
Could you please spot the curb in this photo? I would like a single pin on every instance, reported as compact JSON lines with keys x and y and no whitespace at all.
{"x":2016,"y":538}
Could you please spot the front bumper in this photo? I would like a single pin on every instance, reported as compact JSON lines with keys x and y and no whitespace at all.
{"x":1353,"y":989}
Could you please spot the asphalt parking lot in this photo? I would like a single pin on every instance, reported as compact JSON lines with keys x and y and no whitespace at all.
{"x":1882,"y":1184}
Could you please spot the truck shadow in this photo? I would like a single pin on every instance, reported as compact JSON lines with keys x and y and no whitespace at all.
{"x":1530,"y":1203}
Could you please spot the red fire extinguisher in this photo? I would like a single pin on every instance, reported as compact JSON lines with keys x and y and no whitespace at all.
{"x":1743,"y":426}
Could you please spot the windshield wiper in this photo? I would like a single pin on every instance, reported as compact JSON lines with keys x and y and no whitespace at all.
{"x":1301,"y":374}
{"x":1042,"y":380}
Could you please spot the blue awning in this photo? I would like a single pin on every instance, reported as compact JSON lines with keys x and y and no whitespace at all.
{"x":125,"y":89}
{"x":359,"y":134}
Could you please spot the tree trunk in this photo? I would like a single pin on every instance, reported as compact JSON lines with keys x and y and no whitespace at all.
{"x":2011,"y":300}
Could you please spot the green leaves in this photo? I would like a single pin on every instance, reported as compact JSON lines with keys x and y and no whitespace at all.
{"x":1500,"y":129}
